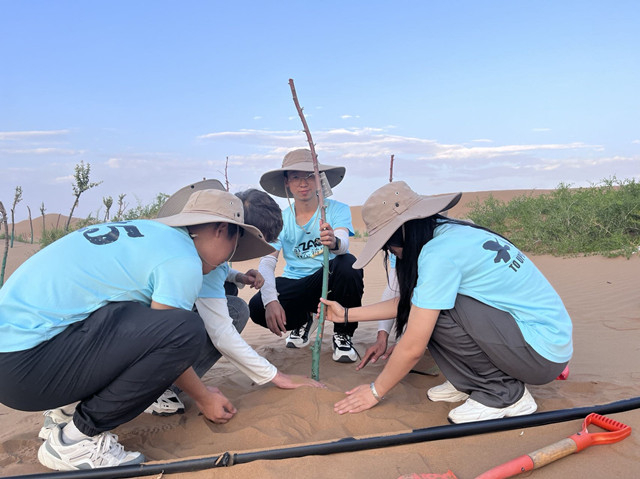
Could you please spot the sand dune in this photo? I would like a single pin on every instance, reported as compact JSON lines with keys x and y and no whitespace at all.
{"x":601,"y":295}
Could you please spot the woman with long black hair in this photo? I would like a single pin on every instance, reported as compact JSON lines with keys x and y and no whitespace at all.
{"x":491,"y":320}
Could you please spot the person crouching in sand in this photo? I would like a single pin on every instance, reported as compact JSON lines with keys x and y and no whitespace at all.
{"x":491,"y":320}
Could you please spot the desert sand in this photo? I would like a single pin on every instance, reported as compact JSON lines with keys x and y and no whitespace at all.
{"x":601,"y":295}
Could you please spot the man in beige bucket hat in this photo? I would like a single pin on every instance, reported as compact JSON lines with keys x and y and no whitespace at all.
{"x":491,"y":320}
{"x":225,"y":314}
{"x":287,"y":303}
{"x":109,"y":323}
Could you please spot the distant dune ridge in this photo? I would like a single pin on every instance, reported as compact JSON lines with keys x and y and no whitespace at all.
{"x":600,"y":294}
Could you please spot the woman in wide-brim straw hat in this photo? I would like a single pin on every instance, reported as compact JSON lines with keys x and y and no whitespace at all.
{"x":109,"y":324}
{"x":490,"y":319}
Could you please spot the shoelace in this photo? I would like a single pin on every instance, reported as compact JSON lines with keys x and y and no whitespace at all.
{"x":108,"y":445}
{"x":303,"y":330}
{"x":344,"y":341}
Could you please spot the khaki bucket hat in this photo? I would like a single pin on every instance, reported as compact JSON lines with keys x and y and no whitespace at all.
{"x":390,"y":207}
{"x":213,"y":206}
{"x":298,"y":160}
{"x":176,"y":201}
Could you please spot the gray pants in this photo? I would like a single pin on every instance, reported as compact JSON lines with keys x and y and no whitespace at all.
{"x":482,"y":352}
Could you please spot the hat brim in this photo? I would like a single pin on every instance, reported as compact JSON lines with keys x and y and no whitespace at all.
{"x":251,"y":244}
{"x":176,"y":201}
{"x":273,"y":181}
{"x":425,"y":207}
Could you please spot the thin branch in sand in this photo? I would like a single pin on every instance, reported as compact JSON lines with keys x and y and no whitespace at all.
{"x":315,"y":356}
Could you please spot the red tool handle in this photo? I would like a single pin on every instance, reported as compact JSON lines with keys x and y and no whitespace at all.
{"x":615,"y":431}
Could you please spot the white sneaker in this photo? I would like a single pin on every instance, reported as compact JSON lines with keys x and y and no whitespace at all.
{"x":472,"y":410}
{"x":166,"y":405}
{"x":301,"y":337}
{"x":447,"y":393}
{"x":343,"y":350}
{"x":102,"y":450}
{"x":52,"y":418}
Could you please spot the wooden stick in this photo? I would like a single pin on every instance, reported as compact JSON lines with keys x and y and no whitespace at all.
{"x":3,"y":222}
{"x":391,"y":170}
{"x":315,"y":349}
{"x":226,"y":173}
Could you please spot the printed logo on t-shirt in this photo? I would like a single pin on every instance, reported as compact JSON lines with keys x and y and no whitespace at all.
{"x":502,"y":254}
{"x":502,"y":251}
{"x":308,"y":249}
{"x":113,"y":234}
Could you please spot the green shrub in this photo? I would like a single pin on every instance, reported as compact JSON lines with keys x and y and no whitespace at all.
{"x":146,"y":211}
{"x":52,"y":234}
{"x":139,"y":212}
{"x":21,"y":238}
{"x":602,"y":219}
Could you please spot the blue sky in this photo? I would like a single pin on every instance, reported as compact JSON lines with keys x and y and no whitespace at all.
{"x":468,"y":95}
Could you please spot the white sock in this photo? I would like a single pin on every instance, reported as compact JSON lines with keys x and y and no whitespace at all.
{"x":71,"y":434}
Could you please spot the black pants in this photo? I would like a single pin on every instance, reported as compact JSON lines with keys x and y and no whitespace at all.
{"x":299,"y":297}
{"x":116,"y":363}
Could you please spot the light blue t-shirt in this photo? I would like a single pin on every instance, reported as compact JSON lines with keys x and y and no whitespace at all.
{"x":473,"y":262}
{"x":213,"y":283}
{"x":301,"y":246}
{"x":140,"y":260}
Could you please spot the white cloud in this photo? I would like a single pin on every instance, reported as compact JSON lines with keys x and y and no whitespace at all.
{"x":426,"y":164}
{"x":636,"y":142}
{"x":44,"y":151}
{"x":346,"y":117}
{"x":461,"y":152}
{"x":257,"y":118}
{"x":371,"y":143}
{"x":63,"y":179}
{"x":26,"y":135}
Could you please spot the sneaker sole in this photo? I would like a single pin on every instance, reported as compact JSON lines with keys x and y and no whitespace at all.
{"x":52,"y":462}
{"x":530,"y":409}
{"x":293,"y":346}
{"x":520,"y":413}
{"x":448,"y":398}
{"x":166,"y":413}
{"x":343,"y":359}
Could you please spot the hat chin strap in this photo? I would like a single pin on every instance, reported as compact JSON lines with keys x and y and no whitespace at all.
{"x":206,"y":262}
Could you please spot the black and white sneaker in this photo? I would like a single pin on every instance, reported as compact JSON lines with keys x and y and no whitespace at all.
{"x":343,"y":350}
{"x":166,"y":405}
{"x":300,"y":337}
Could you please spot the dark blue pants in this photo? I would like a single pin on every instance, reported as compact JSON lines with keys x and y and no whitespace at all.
{"x":116,"y":363}
{"x":300,"y":297}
